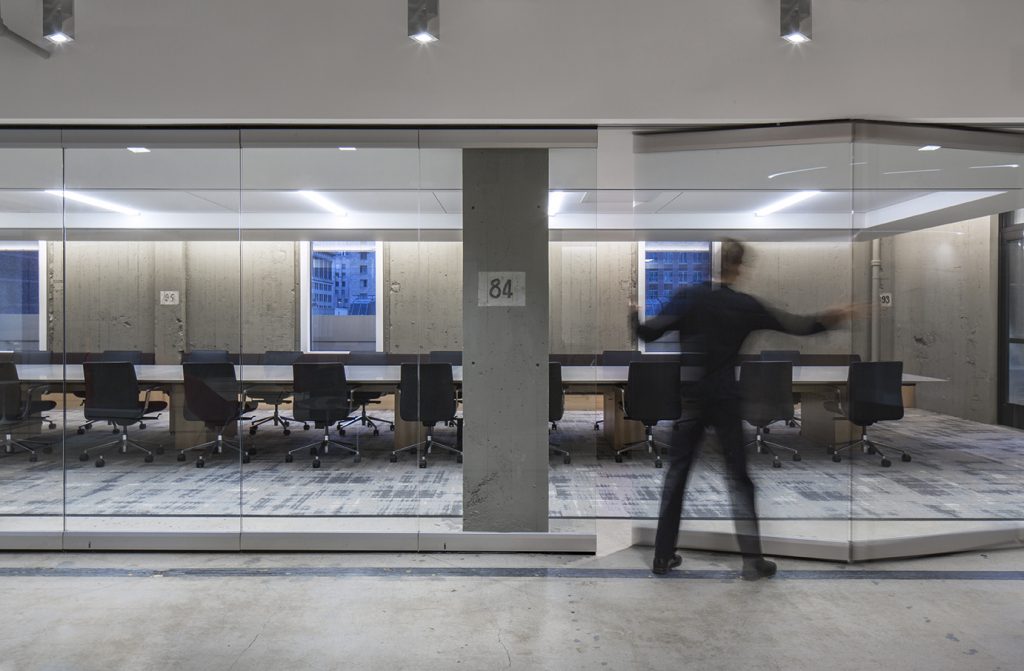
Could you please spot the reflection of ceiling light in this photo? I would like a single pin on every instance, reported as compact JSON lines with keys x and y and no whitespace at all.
{"x":931,"y":147}
{"x":795,"y":21}
{"x":424,"y":21}
{"x":908,"y":172}
{"x":346,"y":148}
{"x":323,"y":202}
{"x":555,"y":200}
{"x":137,"y":150}
{"x":1004,"y":165}
{"x":793,"y":172}
{"x":59,"y":21}
{"x":788,"y":201}
{"x":95,"y":202}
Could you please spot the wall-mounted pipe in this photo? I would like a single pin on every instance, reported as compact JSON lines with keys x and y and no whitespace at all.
{"x":876,"y":289}
{"x":28,"y":44}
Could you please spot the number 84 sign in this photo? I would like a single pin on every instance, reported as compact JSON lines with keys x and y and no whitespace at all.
{"x":501,"y":289}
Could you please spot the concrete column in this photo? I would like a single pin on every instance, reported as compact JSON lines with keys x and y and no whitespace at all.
{"x":169,"y":275}
{"x":505,"y":478}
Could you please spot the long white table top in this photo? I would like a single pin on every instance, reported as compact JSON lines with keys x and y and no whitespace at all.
{"x":384,"y":375}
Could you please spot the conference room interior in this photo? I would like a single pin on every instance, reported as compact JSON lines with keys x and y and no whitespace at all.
{"x":344,"y":246}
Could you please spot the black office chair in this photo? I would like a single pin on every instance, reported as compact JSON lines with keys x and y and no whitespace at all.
{"x":321,"y":397}
{"x":611,"y":357}
{"x":361,"y":398}
{"x":19,"y":407}
{"x":766,"y":389}
{"x":112,"y":395}
{"x":274,"y":396}
{"x":453,"y":357}
{"x":653,"y":394}
{"x":206,"y":356}
{"x":793,"y":357}
{"x":132,"y":356}
{"x":874,"y":393}
{"x":211,"y":397}
{"x":556,"y":406}
{"x":428,"y":396}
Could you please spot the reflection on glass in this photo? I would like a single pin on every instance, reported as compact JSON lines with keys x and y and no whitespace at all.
{"x":1016,"y":374}
{"x":1015,"y":288}
{"x":343,"y":296}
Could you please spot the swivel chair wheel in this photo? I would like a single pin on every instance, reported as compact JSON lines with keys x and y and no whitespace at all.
{"x":791,"y":424}
{"x":251,"y":451}
{"x":836,"y":458}
{"x":33,"y":457}
{"x":148,"y":459}
{"x":313,"y":452}
{"x":886,"y":463}
{"x":391,"y":427}
{"x":796,"y":457}
{"x":905,"y":457}
{"x":871,"y":449}
{"x":393,"y":458}
{"x":305,"y":427}
{"x":766,"y":429}
{"x":357,"y":458}
{"x":657,"y":463}
{"x":288,"y":458}
{"x":287,"y":432}
{"x":376,"y":432}
{"x":245,"y":458}
{"x":597,"y":427}
{"x":776,"y":463}
{"x":341,"y":432}
{"x":84,"y":456}
{"x":100,"y":463}
{"x":81,"y":430}
{"x":142,"y":425}
{"x":252,"y":430}
{"x":53,"y":425}
{"x":316,"y":463}
{"x":115,"y":430}
{"x":200,"y":463}
{"x":567,"y":460}
{"x":181,"y":456}
{"x":458,"y":458}
{"x":618,"y":458}
{"x":423,"y":462}
{"x":48,"y":450}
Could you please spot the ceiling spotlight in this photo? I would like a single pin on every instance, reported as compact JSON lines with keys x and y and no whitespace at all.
{"x":424,"y":21}
{"x":138,"y":150}
{"x":59,"y":21}
{"x":795,"y":21}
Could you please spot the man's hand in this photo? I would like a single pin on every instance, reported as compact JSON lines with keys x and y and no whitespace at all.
{"x":834,"y":317}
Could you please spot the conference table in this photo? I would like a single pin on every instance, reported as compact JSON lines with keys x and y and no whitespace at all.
{"x":815,"y":384}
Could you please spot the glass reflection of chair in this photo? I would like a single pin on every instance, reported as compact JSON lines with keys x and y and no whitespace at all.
{"x":274,"y":396}
{"x":653,"y":394}
{"x":556,"y":407}
{"x":427,"y":396}
{"x":793,"y":357}
{"x":112,"y":395}
{"x":617,"y":358}
{"x":131,"y":356}
{"x":766,"y":390}
{"x":874,"y":393}
{"x":211,"y":397}
{"x":19,"y":408}
{"x":322,"y":397}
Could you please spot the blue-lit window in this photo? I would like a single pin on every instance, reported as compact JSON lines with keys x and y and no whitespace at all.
{"x":19,"y":298}
{"x":667,"y":267}
{"x":343,"y":296}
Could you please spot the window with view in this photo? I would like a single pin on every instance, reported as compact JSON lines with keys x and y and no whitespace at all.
{"x":343,"y":296}
{"x":666,"y":267}
{"x":19,"y":297}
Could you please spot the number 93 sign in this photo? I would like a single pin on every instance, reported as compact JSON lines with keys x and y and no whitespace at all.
{"x":501,"y":289}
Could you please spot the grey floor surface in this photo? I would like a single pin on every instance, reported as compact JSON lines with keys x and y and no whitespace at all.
{"x":422,"y":611}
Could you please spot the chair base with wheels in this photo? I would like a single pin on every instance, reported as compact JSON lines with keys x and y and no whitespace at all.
{"x":215,"y":446}
{"x":323,"y":447}
{"x":764,"y":446}
{"x":426,"y":447}
{"x":277,"y":418}
{"x":566,"y":457}
{"x":868,"y":446}
{"x":653,"y":447}
{"x":365,"y":420}
{"x":123,"y":443}
{"x":30,"y":445}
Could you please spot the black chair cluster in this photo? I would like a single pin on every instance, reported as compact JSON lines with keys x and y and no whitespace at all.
{"x":19,"y":407}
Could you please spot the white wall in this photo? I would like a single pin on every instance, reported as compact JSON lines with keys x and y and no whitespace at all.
{"x":521,"y":60}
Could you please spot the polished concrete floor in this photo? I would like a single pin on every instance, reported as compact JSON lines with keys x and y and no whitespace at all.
{"x":455,"y":611}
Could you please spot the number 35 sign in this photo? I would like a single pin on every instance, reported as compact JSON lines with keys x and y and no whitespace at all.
{"x":501,"y":289}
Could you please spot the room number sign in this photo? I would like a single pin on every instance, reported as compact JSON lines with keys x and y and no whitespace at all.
{"x":501,"y":289}
{"x":885,"y":300}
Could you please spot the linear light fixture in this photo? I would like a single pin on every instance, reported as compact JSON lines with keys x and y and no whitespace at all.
{"x":95,"y":202}
{"x":59,"y":21}
{"x":424,"y":21}
{"x":793,"y":172}
{"x":138,"y":150}
{"x":324,"y":202}
{"x":555,"y":200}
{"x":795,"y":21}
{"x":346,"y":148}
{"x":788,"y":201}
{"x":930,"y":147}
{"x":985,"y":167}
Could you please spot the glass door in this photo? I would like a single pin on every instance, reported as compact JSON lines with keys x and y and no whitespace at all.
{"x":1011,"y":307}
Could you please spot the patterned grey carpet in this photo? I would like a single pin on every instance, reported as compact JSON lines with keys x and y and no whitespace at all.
{"x":961,"y":470}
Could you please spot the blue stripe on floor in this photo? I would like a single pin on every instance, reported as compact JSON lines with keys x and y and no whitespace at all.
{"x":495,"y":572}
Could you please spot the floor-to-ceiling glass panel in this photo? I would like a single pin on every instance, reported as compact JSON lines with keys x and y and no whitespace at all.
{"x":151,"y":335}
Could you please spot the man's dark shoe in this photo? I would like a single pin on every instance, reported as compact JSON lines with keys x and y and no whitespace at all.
{"x":754,"y":569}
{"x":663,"y":565}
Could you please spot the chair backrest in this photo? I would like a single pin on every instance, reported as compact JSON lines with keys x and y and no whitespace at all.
{"x":321,"y":392}
{"x":790,"y":355}
{"x":653,"y":392}
{"x":454,"y":357}
{"x":206,"y":356}
{"x":619,"y":357}
{"x":211,"y":392}
{"x":556,"y":395}
{"x":8,"y":372}
{"x":10,"y":393}
{"x":367,"y":358}
{"x":279,"y":357}
{"x":428,"y":393}
{"x":766,"y":388}
{"x":34,"y":357}
{"x":874,"y":392}
{"x":111,"y":391}
{"x":132,"y":356}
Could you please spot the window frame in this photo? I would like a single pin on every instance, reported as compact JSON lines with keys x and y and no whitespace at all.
{"x":40,"y":246}
{"x":641,"y":277}
{"x":305,"y":290}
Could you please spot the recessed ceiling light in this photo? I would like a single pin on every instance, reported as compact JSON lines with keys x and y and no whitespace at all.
{"x":909,"y":172}
{"x":1004,"y":165}
{"x":95,"y":202}
{"x":424,"y":38}
{"x":424,"y":21}
{"x":795,"y":21}
{"x":346,"y":148}
{"x":796,"y":38}
{"x":59,"y":38}
{"x":323,"y":202}
{"x":788,"y":201}
{"x":931,"y":147}
{"x":138,"y":150}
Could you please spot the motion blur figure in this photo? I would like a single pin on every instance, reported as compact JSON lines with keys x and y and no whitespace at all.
{"x":715,"y":320}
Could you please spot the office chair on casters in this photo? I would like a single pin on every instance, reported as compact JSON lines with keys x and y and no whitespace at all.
{"x":17,"y":409}
{"x":793,"y":357}
{"x":322,"y":397}
{"x":272,"y":395}
{"x":428,"y":396}
{"x":874,"y":393}
{"x":616,"y":358}
{"x":112,"y":395}
{"x":362,"y":398}
{"x":556,"y":406}
{"x":133,"y":357}
{"x":211,"y":397}
{"x":653,"y":394}
{"x":766,"y":389}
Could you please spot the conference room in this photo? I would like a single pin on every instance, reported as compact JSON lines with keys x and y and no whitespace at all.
{"x":398,"y":338}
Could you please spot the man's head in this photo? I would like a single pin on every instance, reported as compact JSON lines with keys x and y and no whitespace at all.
{"x":732,"y":259}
